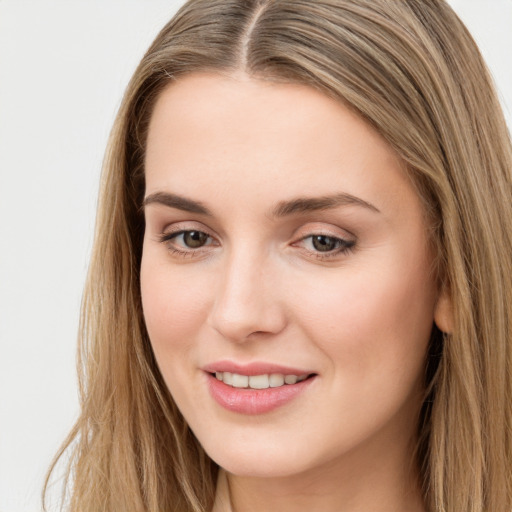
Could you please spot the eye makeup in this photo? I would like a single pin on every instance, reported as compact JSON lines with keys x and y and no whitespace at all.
{"x":191,"y":242}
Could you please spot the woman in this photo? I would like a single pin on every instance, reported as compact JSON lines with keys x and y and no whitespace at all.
{"x":301,"y":290}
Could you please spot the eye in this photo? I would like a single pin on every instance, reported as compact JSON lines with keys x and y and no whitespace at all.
{"x":326,"y":245}
{"x":186,"y":240}
{"x":194,"y":239}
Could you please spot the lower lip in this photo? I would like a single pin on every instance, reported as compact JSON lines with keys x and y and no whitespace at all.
{"x":254,"y":401}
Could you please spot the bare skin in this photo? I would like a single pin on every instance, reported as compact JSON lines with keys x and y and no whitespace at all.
{"x":240,"y":264}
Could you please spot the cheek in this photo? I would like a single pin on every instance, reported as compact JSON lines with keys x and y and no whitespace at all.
{"x":371,"y":323}
{"x":175,"y":307}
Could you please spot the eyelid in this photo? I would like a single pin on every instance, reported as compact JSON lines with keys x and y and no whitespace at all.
{"x":182,"y":226}
{"x":171,"y":235}
{"x":171,"y":231}
{"x":325,"y":229}
{"x":347,"y":242}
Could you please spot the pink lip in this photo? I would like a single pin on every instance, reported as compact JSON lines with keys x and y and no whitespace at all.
{"x":256,"y":368}
{"x":253,"y":401}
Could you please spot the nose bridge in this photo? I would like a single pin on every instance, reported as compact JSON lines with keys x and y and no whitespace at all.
{"x":246,"y":299}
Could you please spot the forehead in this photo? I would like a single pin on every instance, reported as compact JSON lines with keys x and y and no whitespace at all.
{"x":211,"y":134}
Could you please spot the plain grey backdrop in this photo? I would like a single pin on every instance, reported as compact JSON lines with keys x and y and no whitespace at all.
{"x":63,"y":68}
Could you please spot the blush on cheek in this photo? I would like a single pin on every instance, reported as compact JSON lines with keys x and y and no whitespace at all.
{"x":173,"y":309}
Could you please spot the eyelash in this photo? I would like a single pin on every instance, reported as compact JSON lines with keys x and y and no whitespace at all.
{"x":166,"y":238}
{"x":344,"y":246}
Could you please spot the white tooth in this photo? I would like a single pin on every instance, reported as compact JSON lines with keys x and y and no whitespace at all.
{"x":240,"y":381}
{"x":218,"y":375}
{"x":228,"y":378}
{"x":258,"y":381}
{"x":275,"y":380}
{"x":290,"y":379}
{"x":301,"y":378}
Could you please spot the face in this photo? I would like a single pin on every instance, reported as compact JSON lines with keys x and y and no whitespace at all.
{"x":284,"y":242}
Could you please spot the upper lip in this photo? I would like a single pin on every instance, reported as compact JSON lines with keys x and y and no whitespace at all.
{"x":254,"y":368}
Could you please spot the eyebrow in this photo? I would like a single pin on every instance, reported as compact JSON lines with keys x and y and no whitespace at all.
{"x":282,"y":209}
{"x":178,"y":202}
{"x":312,"y":204}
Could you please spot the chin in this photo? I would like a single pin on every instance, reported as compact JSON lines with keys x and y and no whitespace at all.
{"x":258,"y":466}
{"x":263,"y":459}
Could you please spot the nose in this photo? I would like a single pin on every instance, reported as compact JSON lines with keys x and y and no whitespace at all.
{"x":247,"y":302}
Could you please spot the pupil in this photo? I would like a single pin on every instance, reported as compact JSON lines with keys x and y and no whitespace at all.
{"x":195,"y":239}
{"x":324,"y":243}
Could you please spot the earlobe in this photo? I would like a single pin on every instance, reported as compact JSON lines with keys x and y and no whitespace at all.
{"x":443,"y":313}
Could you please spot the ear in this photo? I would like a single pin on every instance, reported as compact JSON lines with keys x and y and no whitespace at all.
{"x":443,"y":312}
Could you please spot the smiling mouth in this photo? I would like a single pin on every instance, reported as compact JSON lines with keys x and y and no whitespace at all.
{"x":264,"y":381}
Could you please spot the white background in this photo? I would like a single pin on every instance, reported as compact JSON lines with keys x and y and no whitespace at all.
{"x":63,"y":67}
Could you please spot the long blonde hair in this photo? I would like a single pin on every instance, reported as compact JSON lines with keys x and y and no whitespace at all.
{"x":410,"y":69}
